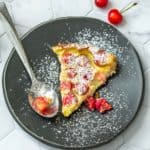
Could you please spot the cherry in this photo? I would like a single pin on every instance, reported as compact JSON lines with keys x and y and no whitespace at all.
{"x":115,"y":16}
{"x":66,"y":58}
{"x":100,"y":58}
{"x":101,"y":3}
{"x":71,"y":73}
{"x":66,"y":85}
{"x":102,"y":105}
{"x":81,"y":88}
{"x":69,"y":99}
{"x":101,"y":77}
{"x":90,"y":103}
{"x":41,"y":104}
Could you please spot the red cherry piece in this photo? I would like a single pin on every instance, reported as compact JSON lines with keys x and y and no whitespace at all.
{"x":41,"y":104}
{"x":81,"y":88}
{"x":71,"y":73}
{"x":66,"y":85}
{"x":90,"y":103}
{"x":100,"y":58}
{"x":115,"y":16}
{"x":49,"y":110}
{"x":101,"y":3}
{"x":69,"y":99}
{"x":66,"y":58}
{"x":82,"y":61}
{"x":102,"y":105}
{"x":101,"y":77}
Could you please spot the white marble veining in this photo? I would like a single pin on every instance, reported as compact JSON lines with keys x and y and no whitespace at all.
{"x":128,"y":147}
{"x":136,"y":27}
{"x":21,"y":29}
{"x":1,"y":29}
{"x":18,"y":140}
{"x":6,"y":122}
{"x":141,"y":125}
{"x":63,"y":8}
{"x":146,"y":52}
{"x":24,"y":10}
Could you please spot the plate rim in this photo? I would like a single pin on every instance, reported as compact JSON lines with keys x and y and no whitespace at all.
{"x":51,"y":143}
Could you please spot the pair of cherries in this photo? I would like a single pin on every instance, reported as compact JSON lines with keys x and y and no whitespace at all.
{"x":114,"y":15}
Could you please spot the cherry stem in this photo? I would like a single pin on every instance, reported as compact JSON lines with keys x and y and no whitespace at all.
{"x":130,"y":5}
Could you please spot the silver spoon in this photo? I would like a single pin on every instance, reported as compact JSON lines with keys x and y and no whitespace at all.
{"x":38,"y":89}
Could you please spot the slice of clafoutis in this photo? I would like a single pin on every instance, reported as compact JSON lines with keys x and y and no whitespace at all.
{"x":83,"y":70}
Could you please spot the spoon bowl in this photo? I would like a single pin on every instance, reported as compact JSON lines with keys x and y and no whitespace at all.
{"x":40,"y":89}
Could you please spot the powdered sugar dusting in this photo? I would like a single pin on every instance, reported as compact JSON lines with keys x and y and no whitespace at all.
{"x":47,"y":69}
{"x":86,"y":128}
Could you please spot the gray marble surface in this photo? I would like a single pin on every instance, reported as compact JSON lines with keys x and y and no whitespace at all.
{"x":136,"y":27}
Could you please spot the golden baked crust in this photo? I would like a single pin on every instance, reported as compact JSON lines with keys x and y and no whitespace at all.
{"x":83,"y":70}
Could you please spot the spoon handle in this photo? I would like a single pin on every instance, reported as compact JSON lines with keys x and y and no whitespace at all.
{"x":18,"y":46}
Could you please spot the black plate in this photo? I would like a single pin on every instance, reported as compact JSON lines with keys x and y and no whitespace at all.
{"x":84,"y":128}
